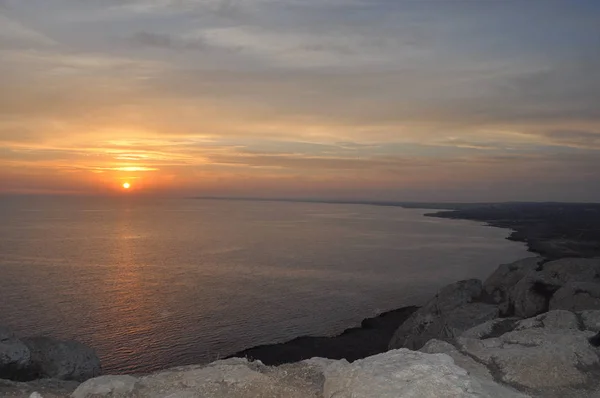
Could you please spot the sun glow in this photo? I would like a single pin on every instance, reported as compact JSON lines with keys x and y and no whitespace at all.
{"x":126,"y":185}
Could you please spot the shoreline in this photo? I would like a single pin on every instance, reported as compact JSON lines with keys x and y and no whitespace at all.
{"x":368,"y":339}
{"x":551,"y":230}
{"x":540,"y":226}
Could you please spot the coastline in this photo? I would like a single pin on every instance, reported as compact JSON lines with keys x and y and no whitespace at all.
{"x":551,"y":230}
{"x":370,"y":338}
{"x":540,"y":226}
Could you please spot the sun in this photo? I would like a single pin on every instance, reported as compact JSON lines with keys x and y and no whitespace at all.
{"x":126,"y":185}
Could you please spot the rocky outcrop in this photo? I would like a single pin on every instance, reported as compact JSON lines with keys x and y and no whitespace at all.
{"x":63,"y":360}
{"x":460,"y":359}
{"x":506,"y":276}
{"x":453,"y":310}
{"x":590,"y":320}
{"x":45,"y":358}
{"x":535,"y":292}
{"x":398,"y":373}
{"x":547,"y":356}
{"x":576,"y":296}
{"x":531,"y":295}
{"x":46,"y":388}
{"x":537,"y":358}
{"x":232,"y":378}
{"x":405,"y":373}
{"x":528,"y":287}
{"x":573,"y":270}
{"x":15,"y":356}
{"x":110,"y":386}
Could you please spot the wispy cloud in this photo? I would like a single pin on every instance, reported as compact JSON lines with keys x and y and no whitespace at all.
{"x":574,"y":138}
{"x":345,"y":96}
{"x":14,"y":34}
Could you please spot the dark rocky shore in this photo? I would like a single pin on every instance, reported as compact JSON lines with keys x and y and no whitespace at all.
{"x":372,"y":337}
{"x":552,"y":230}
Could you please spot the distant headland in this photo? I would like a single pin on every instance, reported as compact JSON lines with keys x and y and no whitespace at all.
{"x":553,"y":230}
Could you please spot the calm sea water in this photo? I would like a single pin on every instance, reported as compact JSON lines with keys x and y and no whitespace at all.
{"x":158,"y":283}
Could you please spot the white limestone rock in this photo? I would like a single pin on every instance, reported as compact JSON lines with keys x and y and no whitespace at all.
{"x":107,"y":386}
{"x":545,"y":352}
{"x":467,"y":363}
{"x":232,"y":378}
{"x":408,"y":374}
{"x":534,"y":293}
{"x":506,"y":276}
{"x":446,"y":316}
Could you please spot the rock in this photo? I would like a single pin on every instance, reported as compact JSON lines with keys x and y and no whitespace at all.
{"x":107,"y":386}
{"x":305,"y":377}
{"x":446,"y":316}
{"x":14,"y":355}
{"x":550,"y":320}
{"x":232,"y":378}
{"x":47,"y":388}
{"x":506,"y":276}
{"x":399,"y":373}
{"x":590,"y":320}
{"x":404,"y":373}
{"x":573,"y":270}
{"x":595,"y":340}
{"x":456,"y":294}
{"x":65,"y":360}
{"x":576,"y":296}
{"x":473,"y":367}
{"x":547,"y":353}
{"x":493,"y":328}
{"x":467,"y":363}
{"x":532,"y":294}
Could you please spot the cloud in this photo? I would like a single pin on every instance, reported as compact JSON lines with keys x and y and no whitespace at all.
{"x":574,"y":138}
{"x":373,"y":93}
{"x":166,"y":41}
{"x":13,"y":34}
{"x":160,"y":6}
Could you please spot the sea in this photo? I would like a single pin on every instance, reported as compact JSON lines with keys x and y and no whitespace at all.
{"x":152,"y":283}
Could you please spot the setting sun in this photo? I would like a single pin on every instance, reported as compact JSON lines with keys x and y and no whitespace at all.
{"x":126,"y":185}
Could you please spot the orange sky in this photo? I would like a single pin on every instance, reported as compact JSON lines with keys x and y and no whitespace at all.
{"x":336,"y":99}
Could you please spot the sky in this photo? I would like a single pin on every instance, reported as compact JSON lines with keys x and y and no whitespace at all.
{"x":410,"y":100}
